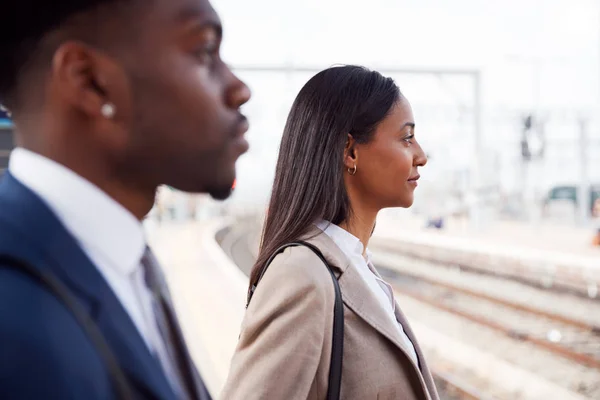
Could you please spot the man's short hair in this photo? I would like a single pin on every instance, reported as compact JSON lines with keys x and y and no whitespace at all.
{"x":27,"y":22}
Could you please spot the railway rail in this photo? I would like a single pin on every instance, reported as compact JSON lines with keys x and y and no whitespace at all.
{"x":542,"y":276}
{"x":570,"y":338}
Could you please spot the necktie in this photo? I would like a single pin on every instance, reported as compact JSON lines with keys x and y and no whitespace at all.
{"x":166,"y":320}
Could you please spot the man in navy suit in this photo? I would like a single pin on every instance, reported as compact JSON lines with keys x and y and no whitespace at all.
{"x":110,"y":99}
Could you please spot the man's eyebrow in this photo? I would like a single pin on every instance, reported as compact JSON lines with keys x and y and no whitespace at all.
{"x":201,"y":20}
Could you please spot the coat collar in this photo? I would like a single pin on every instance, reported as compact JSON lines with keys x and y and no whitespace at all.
{"x":355,"y":295}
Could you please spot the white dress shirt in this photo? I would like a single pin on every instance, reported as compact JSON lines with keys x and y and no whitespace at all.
{"x":381,"y":290}
{"x":109,"y":235}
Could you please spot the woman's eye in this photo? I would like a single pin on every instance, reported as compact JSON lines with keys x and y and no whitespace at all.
{"x":409,"y":138}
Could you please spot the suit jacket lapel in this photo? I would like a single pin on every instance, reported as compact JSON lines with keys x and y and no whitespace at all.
{"x":130,"y":349}
{"x":194,"y":380}
{"x":56,"y":251}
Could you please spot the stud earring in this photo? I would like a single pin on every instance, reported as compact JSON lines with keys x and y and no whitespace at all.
{"x":6,"y":111}
{"x":108,"y":110}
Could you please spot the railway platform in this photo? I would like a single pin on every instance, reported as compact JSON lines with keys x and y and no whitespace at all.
{"x":546,"y":255}
{"x":209,"y":291}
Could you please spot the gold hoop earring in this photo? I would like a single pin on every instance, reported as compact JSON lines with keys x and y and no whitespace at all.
{"x":352,"y":171}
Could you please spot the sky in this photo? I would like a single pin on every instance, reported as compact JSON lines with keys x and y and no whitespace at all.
{"x":532,"y":55}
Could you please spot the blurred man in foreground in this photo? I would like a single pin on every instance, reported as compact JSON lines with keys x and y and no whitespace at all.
{"x":110,"y":99}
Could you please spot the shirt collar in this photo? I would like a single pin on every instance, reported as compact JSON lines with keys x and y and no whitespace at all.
{"x":97,"y":221}
{"x":346,"y":241}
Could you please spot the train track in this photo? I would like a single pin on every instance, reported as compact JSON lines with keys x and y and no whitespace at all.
{"x":569,"y":338}
{"x":544,"y":279}
{"x":235,"y":243}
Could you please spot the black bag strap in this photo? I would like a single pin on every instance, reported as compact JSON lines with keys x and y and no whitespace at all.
{"x":337,"y":344}
{"x":58,"y":290}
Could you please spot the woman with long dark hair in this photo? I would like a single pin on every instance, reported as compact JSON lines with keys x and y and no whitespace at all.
{"x":348,"y":150}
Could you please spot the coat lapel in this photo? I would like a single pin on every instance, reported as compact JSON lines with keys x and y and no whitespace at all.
{"x":422,"y":367}
{"x":355,"y":292}
{"x":423,"y":364}
{"x":52,"y":248}
{"x":357,"y":296}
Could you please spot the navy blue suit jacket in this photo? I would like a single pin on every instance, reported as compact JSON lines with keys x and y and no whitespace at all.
{"x":44,"y":353}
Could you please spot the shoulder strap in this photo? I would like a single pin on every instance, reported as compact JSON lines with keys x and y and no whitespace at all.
{"x":58,"y":290}
{"x":337,"y":344}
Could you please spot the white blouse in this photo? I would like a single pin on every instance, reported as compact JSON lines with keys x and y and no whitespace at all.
{"x":383,"y":292}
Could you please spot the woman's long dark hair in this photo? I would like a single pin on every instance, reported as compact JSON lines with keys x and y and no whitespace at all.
{"x":309,"y":180}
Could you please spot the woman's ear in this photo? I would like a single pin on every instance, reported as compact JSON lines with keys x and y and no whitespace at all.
{"x":350,"y":153}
